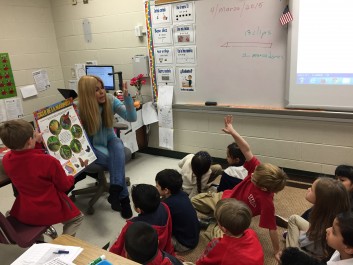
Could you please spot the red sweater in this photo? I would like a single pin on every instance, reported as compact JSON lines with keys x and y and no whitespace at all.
{"x":260,"y":202}
{"x":164,"y":230}
{"x":41,"y":184}
{"x":245,"y":250}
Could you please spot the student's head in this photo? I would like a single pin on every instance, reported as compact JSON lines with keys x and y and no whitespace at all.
{"x":17,"y":134}
{"x":200,"y":164}
{"x":234,"y":156}
{"x":269,"y":177}
{"x":344,"y":173}
{"x":340,"y":235}
{"x":141,"y":242}
{"x":232,"y":215}
{"x":145,"y":198}
{"x":294,"y":256}
{"x":329,"y":197}
{"x":168,"y":182}
{"x":91,"y":94}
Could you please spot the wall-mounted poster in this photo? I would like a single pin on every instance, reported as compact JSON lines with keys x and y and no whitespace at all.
{"x":184,"y":12}
{"x":7,"y":81}
{"x":184,"y":34}
{"x":161,"y":15}
{"x":185,"y":55}
{"x":162,"y":36}
{"x":163,"y":56}
{"x":64,"y":136}
{"x":186,"y":79}
{"x":165,"y":75}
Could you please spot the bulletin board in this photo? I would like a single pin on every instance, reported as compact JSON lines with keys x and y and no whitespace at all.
{"x":240,"y":54}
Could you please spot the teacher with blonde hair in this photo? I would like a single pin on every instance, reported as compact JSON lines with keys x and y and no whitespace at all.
{"x":96,"y":109}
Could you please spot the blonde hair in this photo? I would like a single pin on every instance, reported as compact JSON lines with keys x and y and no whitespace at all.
{"x":89,"y":107}
{"x":270,"y":177}
{"x":233,"y":215}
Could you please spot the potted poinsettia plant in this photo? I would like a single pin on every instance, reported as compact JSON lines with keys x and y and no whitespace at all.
{"x":137,"y":82}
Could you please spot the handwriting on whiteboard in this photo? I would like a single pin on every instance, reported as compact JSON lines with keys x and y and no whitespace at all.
{"x":238,"y":8}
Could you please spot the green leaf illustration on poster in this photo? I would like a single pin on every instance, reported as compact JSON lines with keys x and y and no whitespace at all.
{"x":7,"y":81}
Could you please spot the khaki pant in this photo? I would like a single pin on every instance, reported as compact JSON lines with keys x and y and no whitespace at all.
{"x":205,"y":203}
{"x":71,"y":226}
{"x":296,"y":226}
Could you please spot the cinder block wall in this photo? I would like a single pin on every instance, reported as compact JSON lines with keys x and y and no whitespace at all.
{"x":309,"y":145}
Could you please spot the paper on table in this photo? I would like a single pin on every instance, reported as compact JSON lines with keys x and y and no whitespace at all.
{"x":58,"y":261}
{"x":149,"y":113}
{"x":39,"y":254}
{"x":166,"y":138}
{"x":129,"y":140}
{"x":138,"y":123}
{"x":28,"y":91}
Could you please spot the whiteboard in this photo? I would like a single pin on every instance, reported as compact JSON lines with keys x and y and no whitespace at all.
{"x":241,"y":49}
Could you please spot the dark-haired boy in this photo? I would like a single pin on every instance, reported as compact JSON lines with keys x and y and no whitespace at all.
{"x":235,"y":172}
{"x":186,"y":228}
{"x":150,"y":210}
{"x":141,"y":245}
{"x":239,"y":244}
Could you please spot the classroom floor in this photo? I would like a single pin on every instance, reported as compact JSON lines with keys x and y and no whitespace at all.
{"x":105,"y":224}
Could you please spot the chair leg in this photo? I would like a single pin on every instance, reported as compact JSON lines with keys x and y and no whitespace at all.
{"x":51,"y":232}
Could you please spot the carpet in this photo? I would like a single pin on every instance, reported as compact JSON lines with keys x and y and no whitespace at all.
{"x":287,"y":202}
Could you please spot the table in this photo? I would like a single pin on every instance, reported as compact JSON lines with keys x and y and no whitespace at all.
{"x":90,"y":252}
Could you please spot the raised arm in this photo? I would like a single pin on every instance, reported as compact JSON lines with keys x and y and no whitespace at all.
{"x":243,"y":145}
{"x":127,"y":110}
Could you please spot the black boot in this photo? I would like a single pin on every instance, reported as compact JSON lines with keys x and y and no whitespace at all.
{"x":126,"y":211}
{"x":113,"y":199}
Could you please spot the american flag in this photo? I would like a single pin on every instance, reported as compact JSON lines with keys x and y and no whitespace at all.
{"x":286,"y":16}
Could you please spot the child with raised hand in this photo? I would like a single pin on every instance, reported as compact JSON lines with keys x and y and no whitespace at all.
{"x":239,"y":244}
{"x":256,"y":190}
{"x":196,"y":172}
{"x":150,"y":210}
{"x":340,"y":238}
{"x":141,"y":245}
{"x":39,"y":179}
{"x":186,"y":230}
{"x":235,"y":172}
{"x":329,"y":197}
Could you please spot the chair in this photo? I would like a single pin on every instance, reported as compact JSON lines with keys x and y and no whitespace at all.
{"x":13,"y":231}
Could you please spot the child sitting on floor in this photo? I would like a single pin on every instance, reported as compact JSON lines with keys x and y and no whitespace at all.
{"x":239,"y":244}
{"x":186,"y":228}
{"x":256,"y":190}
{"x":196,"y":172}
{"x":329,"y":197}
{"x":147,"y":204}
{"x":39,"y":179}
{"x":235,"y":172}
{"x":141,"y":245}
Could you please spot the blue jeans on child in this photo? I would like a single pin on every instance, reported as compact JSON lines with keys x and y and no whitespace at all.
{"x":115,"y":163}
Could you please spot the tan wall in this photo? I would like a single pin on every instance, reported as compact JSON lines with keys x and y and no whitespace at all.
{"x":27,"y":34}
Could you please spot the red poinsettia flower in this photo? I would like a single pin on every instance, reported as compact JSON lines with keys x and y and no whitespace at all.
{"x":138,"y":81}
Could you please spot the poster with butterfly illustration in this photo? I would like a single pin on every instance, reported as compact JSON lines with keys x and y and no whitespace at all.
{"x":64,"y":136}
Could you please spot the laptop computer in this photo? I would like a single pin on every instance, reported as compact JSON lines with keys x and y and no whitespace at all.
{"x":67,"y":93}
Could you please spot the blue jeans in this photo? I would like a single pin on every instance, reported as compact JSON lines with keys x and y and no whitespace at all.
{"x":115,"y":163}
